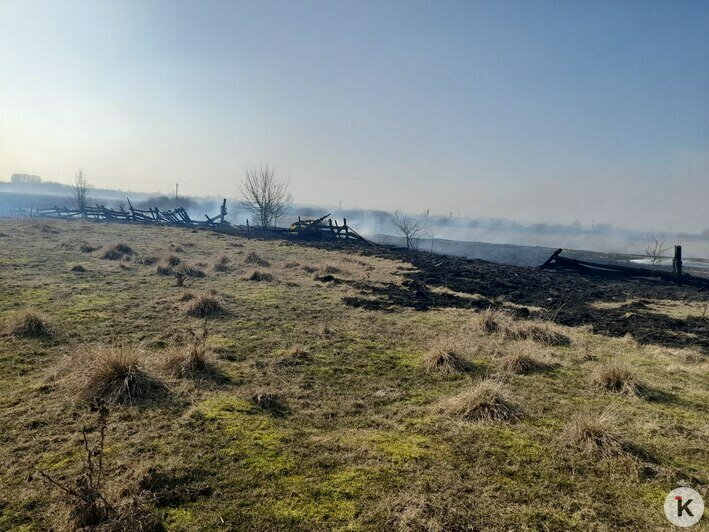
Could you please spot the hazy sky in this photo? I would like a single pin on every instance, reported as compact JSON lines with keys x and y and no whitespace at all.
{"x":538,"y":111}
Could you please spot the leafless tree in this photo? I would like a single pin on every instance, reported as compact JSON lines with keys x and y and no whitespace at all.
{"x":655,"y":249}
{"x":265,"y":196}
{"x":412,"y":227}
{"x":80,"y":191}
{"x":121,"y":205}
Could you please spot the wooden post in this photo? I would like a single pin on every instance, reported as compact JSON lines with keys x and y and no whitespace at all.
{"x":248,"y":229}
{"x":677,"y":264}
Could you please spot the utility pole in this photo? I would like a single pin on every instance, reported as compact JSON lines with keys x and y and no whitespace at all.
{"x":176,"y":187}
{"x":340,"y":206}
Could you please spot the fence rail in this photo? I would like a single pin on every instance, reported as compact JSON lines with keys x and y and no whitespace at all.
{"x":152,"y":215}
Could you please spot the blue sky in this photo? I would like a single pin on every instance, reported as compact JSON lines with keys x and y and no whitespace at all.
{"x":538,"y":111}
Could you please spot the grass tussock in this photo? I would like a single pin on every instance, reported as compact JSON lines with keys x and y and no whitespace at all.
{"x":30,"y":323}
{"x":444,"y":358}
{"x":255,"y":258}
{"x":294,"y":356}
{"x":192,"y":362}
{"x":204,"y":306}
{"x":542,"y":333}
{"x":491,"y":320}
{"x":221,"y":264}
{"x":525,"y":359}
{"x":189,"y":271}
{"x":166,"y":265}
{"x":116,"y":252}
{"x":261,"y":276}
{"x":497,"y":322}
{"x":114,"y":375}
{"x":485,"y":402}
{"x":595,"y":434}
{"x":292,"y":265}
{"x":617,"y":377}
{"x":85,"y":247}
{"x":78,"y":268}
{"x":269,"y":402}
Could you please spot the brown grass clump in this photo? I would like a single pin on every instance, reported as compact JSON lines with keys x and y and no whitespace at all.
{"x":192,"y":362}
{"x":595,"y":435}
{"x":485,"y":402}
{"x":524,"y":360}
{"x":85,"y":247}
{"x":268,"y":401}
{"x":78,"y":268}
{"x":116,"y":252}
{"x":205,"y":305}
{"x":254,"y":258}
{"x":542,"y":333}
{"x":114,"y":375}
{"x":294,"y":356}
{"x":291,"y":265}
{"x":444,"y":359}
{"x":490,"y":320}
{"x":167,"y":264}
{"x":189,"y":271}
{"x":30,"y":323}
{"x":617,"y":377}
{"x":260,"y":276}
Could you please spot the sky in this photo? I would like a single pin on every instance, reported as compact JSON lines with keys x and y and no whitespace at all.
{"x":538,"y":111}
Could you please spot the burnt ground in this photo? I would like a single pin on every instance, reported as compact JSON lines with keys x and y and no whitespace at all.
{"x":564,"y":297}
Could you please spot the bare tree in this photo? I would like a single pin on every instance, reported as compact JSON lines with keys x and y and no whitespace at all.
{"x":80,"y":191}
{"x":265,"y":196}
{"x":412,"y":227}
{"x":655,"y":249}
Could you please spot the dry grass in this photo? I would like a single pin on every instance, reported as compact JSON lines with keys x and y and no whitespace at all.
{"x":268,"y":401}
{"x":444,"y":358}
{"x":486,"y":402}
{"x":78,"y":268}
{"x":260,"y":276}
{"x":491,"y":320}
{"x":192,"y":362}
{"x":617,"y":377}
{"x":255,"y":258}
{"x":525,"y":358}
{"x":30,"y":323}
{"x":495,"y":321}
{"x":188,"y":271}
{"x":543,"y":333}
{"x":166,"y":265}
{"x":112,"y":374}
{"x":116,"y":252}
{"x":205,"y":305}
{"x":294,"y":356}
{"x":594,"y":434}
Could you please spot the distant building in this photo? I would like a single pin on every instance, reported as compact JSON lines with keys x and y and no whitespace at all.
{"x":25,"y":178}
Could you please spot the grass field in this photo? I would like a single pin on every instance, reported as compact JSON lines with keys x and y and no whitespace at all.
{"x":317,"y":415}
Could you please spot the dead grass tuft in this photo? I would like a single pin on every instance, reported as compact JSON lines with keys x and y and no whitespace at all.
{"x":188,"y":271}
{"x":485,"y":402}
{"x":166,"y":265}
{"x":268,"y":401}
{"x":294,"y":356}
{"x":205,"y":305}
{"x":542,"y":333}
{"x":116,"y":252}
{"x":490,"y":320}
{"x":291,"y":265}
{"x":261,"y":276}
{"x":78,"y":268}
{"x":192,"y":362}
{"x":443,"y":358}
{"x":595,"y":435}
{"x":112,"y":374}
{"x":617,"y":377}
{"x":525,"y":359}
{"x":30,"y":323}
{"x":255,"y":258}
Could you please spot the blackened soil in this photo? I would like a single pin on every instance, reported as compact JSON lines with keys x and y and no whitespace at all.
{"x":564,"y":297}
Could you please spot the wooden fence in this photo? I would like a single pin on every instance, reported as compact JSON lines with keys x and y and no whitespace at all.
{"x":176,"y":216}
